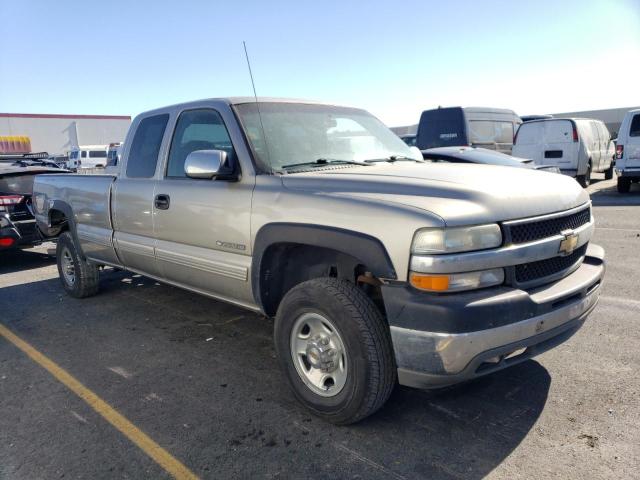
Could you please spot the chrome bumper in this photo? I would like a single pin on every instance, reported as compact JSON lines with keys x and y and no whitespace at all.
{"x":432,"y":359}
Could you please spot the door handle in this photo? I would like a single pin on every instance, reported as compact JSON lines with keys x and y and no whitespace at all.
{"x":162,"y":201}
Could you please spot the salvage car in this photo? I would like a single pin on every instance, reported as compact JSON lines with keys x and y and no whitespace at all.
{"x":482,"y":156}
{"x":379,"y":268}
{"x":18,"y":227}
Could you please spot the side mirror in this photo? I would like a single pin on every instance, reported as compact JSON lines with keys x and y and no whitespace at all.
{"x":204,"y":163}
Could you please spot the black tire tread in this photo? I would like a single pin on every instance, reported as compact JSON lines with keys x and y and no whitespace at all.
{"x":624,"y":185}
{"x":377,"y":342}
{"x":87,"y":274}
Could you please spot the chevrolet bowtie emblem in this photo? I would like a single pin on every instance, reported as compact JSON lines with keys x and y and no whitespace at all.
{"x":569,"y":242}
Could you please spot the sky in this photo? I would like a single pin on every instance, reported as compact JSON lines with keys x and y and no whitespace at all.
{"x":392,"y":58}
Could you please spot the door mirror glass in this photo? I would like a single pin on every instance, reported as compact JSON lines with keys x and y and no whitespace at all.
{"x":204,"y":163}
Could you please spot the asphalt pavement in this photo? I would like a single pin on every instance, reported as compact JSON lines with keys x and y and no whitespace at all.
{"x":200,"y":379}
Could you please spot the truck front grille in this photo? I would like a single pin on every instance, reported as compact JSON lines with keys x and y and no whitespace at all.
{"x":536,"y":230}
{"x":529,"y":272}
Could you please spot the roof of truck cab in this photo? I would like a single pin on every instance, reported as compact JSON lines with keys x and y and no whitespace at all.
{"x":240,"y":101}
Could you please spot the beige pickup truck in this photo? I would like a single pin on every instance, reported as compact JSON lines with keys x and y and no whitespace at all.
{"x":379,"y":268}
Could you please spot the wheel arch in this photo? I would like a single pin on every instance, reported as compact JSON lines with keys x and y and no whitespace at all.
{"x":60,"y":214}
{"x":286,"y":254}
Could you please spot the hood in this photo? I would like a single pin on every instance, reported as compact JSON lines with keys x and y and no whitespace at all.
{"x":461,"y":194}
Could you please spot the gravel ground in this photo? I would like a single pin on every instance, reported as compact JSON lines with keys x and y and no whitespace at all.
{"x":200,"y":378}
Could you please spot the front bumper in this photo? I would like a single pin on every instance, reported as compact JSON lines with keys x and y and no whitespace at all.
{"x":441,"y":340}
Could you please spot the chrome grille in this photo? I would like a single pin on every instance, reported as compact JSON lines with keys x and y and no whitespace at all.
{"x":538,"y":229}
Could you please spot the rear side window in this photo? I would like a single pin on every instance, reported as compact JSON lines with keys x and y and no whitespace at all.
{"x":84,"y":154}
{"x":98,"y":154}
{"x":489,"y":131}
{"x":634,"y":130}
{"x":197,"y":130}
{"x":145,"y":147}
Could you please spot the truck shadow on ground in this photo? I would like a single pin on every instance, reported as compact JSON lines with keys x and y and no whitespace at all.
{"x":218,"y":375}
{"x":17,"y":260}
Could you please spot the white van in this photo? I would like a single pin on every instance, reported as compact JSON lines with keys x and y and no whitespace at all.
{"x":88,"y":156}
{"x":628,"y":151}
{"x":577,"y":146}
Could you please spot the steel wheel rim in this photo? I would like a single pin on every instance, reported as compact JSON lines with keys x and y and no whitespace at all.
{"x":68,"y":267}
{"x":319,"y":354}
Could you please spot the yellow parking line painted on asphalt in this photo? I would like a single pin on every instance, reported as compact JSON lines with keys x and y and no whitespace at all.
{"x":133,"y":433}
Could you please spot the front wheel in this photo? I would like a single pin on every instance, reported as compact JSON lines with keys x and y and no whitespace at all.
{"x":335,"y":350}
{"x":78,"y":277}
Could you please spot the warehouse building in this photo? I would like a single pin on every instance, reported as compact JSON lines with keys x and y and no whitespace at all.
{"x":57,"y":134}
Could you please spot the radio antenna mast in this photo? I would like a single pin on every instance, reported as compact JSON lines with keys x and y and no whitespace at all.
{"x":255,"y":95}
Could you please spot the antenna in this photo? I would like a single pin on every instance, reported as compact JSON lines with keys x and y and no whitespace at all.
{"x":255,"y":95}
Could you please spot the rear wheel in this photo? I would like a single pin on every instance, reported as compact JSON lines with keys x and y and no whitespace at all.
{"x":78,"y":277}
{"x":585,"y":180}
{"x":624,"y":184}
{"x":335,"y":349}
{"x":608,"y":173}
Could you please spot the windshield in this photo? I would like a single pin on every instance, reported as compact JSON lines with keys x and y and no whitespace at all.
{"x":305,"y":133}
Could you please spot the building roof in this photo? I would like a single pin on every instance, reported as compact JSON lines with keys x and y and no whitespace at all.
{"x":54,"y":115}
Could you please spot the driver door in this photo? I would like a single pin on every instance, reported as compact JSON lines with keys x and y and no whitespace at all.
{"x":202,"y":226}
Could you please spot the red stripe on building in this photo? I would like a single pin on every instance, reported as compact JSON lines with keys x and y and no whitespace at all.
{"x":47,"y":115}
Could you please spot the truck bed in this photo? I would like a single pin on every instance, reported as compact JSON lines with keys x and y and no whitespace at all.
{"x":88,"y":197}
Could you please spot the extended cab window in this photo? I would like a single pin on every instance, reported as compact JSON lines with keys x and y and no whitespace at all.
{"x":197,"y":130}
{"x":145,"y":147}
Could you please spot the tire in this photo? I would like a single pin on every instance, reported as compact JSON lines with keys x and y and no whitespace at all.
{"x":79,"y":278}
{"x":585,"y":180}
{"x":365,"y":371}
{"x":608,"y":173}
{"x":624,"y":184}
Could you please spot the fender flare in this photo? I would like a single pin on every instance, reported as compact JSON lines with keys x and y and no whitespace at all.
{"x":65,"y":208}
{"x":369,"y":250}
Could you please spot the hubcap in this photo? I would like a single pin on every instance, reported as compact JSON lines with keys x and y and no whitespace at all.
{"x":68,"y":268}
{"x":318,"y":354}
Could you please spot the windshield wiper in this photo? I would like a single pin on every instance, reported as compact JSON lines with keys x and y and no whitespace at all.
{"x":324,"y":161}
{"x":395,"y":158}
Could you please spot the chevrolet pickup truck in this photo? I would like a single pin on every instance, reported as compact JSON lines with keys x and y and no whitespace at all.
{"x":379,"y":268}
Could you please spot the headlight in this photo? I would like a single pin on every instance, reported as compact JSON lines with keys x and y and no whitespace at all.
{"x":455,"y":282}
{"x":460,"y":239}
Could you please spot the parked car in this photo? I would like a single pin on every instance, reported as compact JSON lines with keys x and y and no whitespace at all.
{"x":17,"y":224}
{"x":59,"y":161}
{"x":628,"y":151}
{"x":88,"y":156}
{"x":491,"y":128}
{"x":376,"y":265}
{"x":409,"y":139}
{"x":483,"y":156}
{"x":577,"y":146}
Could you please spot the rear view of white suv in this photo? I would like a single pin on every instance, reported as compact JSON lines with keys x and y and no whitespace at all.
{"x":577,"y":146}
{"x":628,"y":151}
